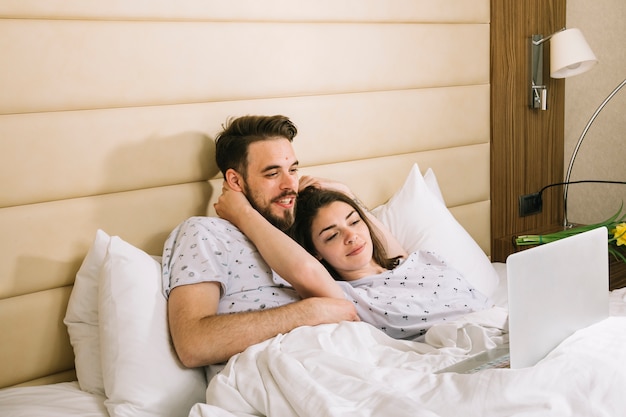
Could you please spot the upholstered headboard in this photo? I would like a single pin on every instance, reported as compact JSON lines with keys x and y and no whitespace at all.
{"x":108,"y":112}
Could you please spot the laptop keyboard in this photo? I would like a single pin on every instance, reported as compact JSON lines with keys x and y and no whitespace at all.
{"x":501,"y":362}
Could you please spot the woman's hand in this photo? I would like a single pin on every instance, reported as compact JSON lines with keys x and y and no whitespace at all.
{"x":231,"y":205}
{"x":324,"y":184}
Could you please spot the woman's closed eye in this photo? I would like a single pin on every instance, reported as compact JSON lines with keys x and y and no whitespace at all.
{"x":330,"y":237}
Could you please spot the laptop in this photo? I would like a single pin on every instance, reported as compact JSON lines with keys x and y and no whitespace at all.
{"x":554,"y":290}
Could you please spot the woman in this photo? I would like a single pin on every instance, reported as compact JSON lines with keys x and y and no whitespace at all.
{"x":402,"y":295}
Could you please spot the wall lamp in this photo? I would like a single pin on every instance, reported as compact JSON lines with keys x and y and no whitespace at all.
{"x":570,"y":55}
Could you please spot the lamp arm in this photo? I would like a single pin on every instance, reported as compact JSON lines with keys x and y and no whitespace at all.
{"x":577,"y":147}
{"x":546,"y":38}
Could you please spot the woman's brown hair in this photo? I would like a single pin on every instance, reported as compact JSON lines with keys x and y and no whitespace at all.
{"x":309,"y":202}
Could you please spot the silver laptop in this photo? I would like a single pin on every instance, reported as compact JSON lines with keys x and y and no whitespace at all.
{"x":554,"y":290}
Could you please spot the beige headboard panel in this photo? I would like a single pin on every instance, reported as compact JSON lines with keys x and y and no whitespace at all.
{"x":109,"y":109}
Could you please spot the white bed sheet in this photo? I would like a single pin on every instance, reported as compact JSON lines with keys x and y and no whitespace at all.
{"x":617,"y":302}
{"x":353,"y":369}
{"x":64,"y":399}
{"x":500,"y":295}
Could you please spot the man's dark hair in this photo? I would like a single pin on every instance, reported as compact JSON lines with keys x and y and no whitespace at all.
{"x":231,"y":145}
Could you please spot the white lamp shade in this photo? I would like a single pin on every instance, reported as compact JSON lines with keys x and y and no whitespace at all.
{"x":570,"y":54}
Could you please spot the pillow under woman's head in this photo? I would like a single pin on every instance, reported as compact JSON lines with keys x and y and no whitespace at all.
{"x":417,"y":216}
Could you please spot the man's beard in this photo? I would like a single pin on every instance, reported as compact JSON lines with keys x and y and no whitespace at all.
{"x":281,"y":223}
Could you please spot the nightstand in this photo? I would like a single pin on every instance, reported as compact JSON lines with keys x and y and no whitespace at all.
{"x":617,"y":269}
{"x":617,"y":272}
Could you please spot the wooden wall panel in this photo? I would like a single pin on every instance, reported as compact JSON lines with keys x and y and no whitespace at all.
{"x":527,"y":144}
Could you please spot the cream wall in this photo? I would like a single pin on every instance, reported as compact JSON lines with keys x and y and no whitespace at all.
{"x":108,"y":110}
{"x":603,"y":152}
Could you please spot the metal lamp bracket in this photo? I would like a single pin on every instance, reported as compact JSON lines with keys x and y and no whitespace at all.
{"x":538,"y":93}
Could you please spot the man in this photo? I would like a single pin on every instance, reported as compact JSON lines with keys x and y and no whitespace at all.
{"x":211,"y":269}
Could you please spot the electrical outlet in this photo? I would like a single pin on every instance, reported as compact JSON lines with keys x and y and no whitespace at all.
{"x":530,"y":204}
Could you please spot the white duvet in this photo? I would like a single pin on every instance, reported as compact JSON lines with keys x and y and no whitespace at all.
{"x":352,"y":369}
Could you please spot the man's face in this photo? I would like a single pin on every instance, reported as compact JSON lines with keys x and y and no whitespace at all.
{"x":271,"y":183}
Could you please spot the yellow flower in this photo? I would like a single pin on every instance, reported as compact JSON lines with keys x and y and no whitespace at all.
{"x":619,"y":233}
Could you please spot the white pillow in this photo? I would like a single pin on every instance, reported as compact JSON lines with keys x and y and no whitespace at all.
{"x":81,"y":317}
{"x":141,"y":372}
{"x":420,"y":220}
{"x":431,"y":182}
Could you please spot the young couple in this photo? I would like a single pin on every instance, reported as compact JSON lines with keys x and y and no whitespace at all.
{"x":342,"y":265}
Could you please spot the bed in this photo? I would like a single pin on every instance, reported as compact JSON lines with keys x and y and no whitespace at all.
{"x":107,"y":118}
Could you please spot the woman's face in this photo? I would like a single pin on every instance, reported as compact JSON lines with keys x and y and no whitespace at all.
{"x":343,"y":240}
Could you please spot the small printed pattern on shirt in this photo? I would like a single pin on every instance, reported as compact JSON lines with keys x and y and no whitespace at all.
{"x":209,"y":249}
{"x":406,"y":301}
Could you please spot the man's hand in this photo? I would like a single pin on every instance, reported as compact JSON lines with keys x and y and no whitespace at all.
{"x":324,"y":310}
{"x":203,"y":337}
